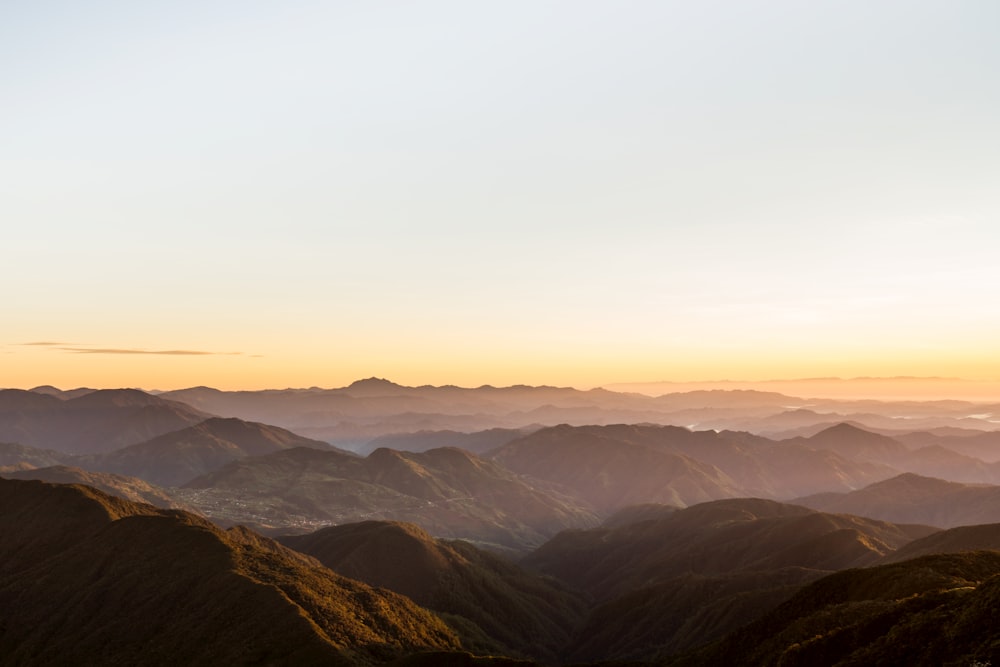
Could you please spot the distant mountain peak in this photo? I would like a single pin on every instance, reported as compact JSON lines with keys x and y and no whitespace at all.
{"x":46,"y":389}
{"x":846,"y":430}
{"x":844,"y":427}
{"x":373,"y":382}
{"x":910,"y":480}
{"x":374,"y":387}
{"x":117,"y":397}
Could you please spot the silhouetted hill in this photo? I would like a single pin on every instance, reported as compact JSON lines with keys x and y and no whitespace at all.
{"x":14,"y":400}
{"x":97,"y":421}
{"x":60,"y":393}
{"x":86,"y":578}
{"x":619,"y":465}
{"x":715,"y":538}
{"x":448,"y":492}
{"x":860,"y":445}
{"x":937,"y":461}
{"x":855,"y":443}
{"x":682,"y":613}
{"x":611,"y":472}
{"x":367,"y":409}
{"x":668,"y":584}
{"x":954,"y":540}
{"x":983,"y":446}
{"x":930,"y":611}
{"x":175,"y":458}
{"x":637,"y":513}
{"x":14,"y":455}
{"x":519,"y":611}
{"x":910,"y":498}
{"x":478,"y":442}
{"x":129,"y":488}
{"x":374,"y":386}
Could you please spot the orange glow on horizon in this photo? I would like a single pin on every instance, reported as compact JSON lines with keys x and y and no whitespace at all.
{"x":26,"y":367}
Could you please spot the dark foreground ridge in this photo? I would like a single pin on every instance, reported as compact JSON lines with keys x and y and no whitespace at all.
{"x":496,"y":606}
{"x":87,"y":578}
{"x":933,"y":610}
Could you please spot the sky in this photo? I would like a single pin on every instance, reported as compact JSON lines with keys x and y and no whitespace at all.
{"x":257,"y":194}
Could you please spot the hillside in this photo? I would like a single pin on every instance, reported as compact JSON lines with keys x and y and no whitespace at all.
{"x":93,"y":422}
{"x":520,"y":612}
{"x":856,"y":443}
{"x":129,"y":488}
{"x":86,"y":578}
{"x":716,"y":538}
{"x":20,"y":456}
{"x":611,"y":472}
{"x":354,"y":415}
{"x":930,"y":611}
{"x":954,"y":540}
{"x":448,"y":492}
{"x":620,"y":465}
{"x":688,"y":577}
{"x":478,"y":442}
{"x":911,"y":498}
{"x":175,"y":458}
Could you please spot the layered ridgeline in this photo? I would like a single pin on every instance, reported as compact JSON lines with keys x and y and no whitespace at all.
{"x":448,"y":492}
{"x":516,"y":495}
{"x":366,"y":409}
{"x":677,"y":579}
{"x":129,"y":488}
{"x":175,"y":458}
{"x":495,"y":605}
{"x":20,"y":457}
{"x":933,"y":610}
{"x":911,"y":498}
{"x":353,"y":416}
{"x":93,"y":422}
{"x":88,"y":578}
{"x":618,"y":465}
{"x":615,"y":466}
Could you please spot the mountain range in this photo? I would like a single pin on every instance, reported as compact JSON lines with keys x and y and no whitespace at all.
{"x":90,"y":423}
{"x":87,"y":578}
{"x":656,"y":585}
{"x":354,"y":415}
{"x":495,"y":605}
{"x":532,"y":524}
{"x":914,"y":498}
{"x":449,"y":492}
{"x":175,"y":458}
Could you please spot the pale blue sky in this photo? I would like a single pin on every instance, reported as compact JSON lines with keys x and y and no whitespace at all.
{"x":425,"y":190}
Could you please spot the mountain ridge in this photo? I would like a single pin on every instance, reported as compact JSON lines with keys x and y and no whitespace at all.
{"x":230,"y":597}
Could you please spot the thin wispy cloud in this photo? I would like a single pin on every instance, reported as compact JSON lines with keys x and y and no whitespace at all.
{"x":114,"y":350}
{"x":90,"y":349}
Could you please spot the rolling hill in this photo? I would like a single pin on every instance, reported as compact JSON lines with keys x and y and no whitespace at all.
{"x":93,"y":422}
{"x":910,"y":498}
{"x":520,"y":612}
{"x":619,"y":465}
{"x":933,"y":610}
{"x":667,"y":584}
{"x":448,"y":492}
{"x":20,"y":456}
{"x":129,"y":488}
{"x":87,"y":578}
{"x":175,"y":458}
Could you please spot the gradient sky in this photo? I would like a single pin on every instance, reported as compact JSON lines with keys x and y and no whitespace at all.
{"x":267,"y":194}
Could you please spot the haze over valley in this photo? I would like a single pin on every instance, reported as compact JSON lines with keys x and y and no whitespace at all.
{"x":527,"y":334}
{"x":560,"y":527}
